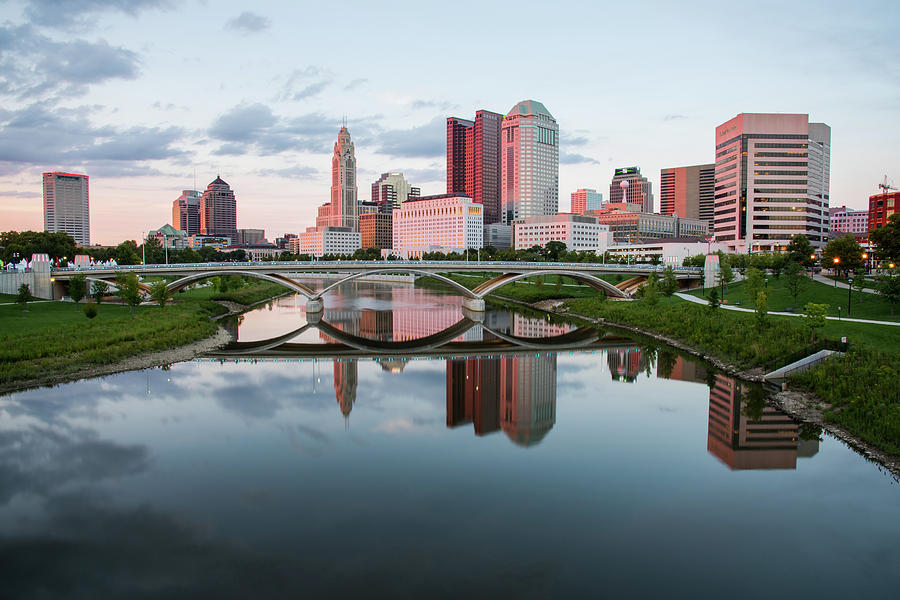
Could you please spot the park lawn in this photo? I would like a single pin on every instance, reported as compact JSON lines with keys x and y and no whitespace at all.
{"x":873,"y":306}
{"x":526,"y":290}
{"x":7,"y":298}
{"x":47,"y":315}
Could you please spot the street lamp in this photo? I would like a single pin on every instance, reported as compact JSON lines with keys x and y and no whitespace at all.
{"x":836,"y":262}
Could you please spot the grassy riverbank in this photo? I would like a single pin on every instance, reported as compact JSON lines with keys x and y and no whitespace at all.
{"x":858,"y":390}
{"x":54,"y":341}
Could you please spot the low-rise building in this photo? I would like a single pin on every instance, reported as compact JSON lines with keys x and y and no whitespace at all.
{"x":843,"y":220}
{"x":257,"y":252}
{"x":577,"y":232}
{"x":633,"y":226}
{"x":498,"y":235}
{"x":881,"y":207}
{"x":671,"y":251}
{"x":169,"y":237}
{"x":442,"y":223}
{"x":376,"y":229}
{"x":215,"y":241}
{"x":327,"y":240}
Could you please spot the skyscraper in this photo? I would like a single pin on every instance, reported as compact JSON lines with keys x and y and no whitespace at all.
{"x":628,"y":185}
{"x":344,"y":211}
{"x":186,"y":212}
{"x":688,"y":192}
{"x":584,"y":200}
{"x":473,"y":160}
{"x":218,"y":210}
{"x":391,"y":190}
{"x":530,"y":162}
{"x":772,"y":181}
{"x":66,"y":206}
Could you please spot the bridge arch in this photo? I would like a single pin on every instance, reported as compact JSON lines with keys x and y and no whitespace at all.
{"x":401,"y":269}
{"x":595,"y":282}
{"x":180,"y":284}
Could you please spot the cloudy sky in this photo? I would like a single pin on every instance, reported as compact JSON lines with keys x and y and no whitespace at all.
{"x":143,"y":94}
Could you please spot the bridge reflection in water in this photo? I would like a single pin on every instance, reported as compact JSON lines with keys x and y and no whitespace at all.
{"x":501,"y":375}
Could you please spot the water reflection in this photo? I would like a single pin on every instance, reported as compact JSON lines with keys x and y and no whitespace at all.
{"x":242,"y":478}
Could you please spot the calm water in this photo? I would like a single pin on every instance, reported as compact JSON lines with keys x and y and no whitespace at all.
{"x":614,"y":471}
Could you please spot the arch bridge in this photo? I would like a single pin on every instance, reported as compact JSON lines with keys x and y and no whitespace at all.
{"x":286,"y":273}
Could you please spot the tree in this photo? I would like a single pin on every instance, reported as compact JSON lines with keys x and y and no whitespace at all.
{"x":848,"y":252}
{"x":26,"y":243}
{"x":795,"y":280}
{"x":153,"y":252}
{"x":777,"y":262}
{"x":160,"y":293}
{"x":800,"y":250}
{"x":129,"y":290}
{"x":713,"y":298}
{"x":24,"y":296}
{"x":762,"y":309}
{"x":651,"y":289}
{"x":669,"y":284}
{"x":726,"y":276}
{"x":887,"y":239}
{"x":814,"y":317}
{"x":126,"y":253}
{"x":754,"y":282}
{"x":78,"y":287}
{"x":99,"y":289}
{"x":889,"y":287}
{"x":553,"y":249}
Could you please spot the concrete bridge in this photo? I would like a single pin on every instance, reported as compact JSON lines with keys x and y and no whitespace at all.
{"x":285,"y":273}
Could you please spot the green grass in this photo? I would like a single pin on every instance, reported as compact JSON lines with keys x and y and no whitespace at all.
{"x":873,"y":306}
{"x":732,"y":336}
{"x":7,"y":298}
{"x":54,"y":340}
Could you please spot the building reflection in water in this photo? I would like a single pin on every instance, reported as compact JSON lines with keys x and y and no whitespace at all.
{"x":515,"y":393}
{"x":746,"y":433}
{"x":625,"y":364}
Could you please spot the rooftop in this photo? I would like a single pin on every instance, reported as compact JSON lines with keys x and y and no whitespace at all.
{"x":529,"y":107}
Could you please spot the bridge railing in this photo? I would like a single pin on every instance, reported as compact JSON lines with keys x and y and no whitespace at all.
{"x":399,"y":263}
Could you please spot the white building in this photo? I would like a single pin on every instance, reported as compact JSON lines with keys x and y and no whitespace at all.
{"x":529,"y":163}
{"x":577,"y":232}
{"x":671,"y":251}
{"x":843,"y":220}
{"x":391,"y":190}
{"x":327,"y":240}
{"x":772,"y":181}
{"x":443,"y":223}
{"x":66,"y":206}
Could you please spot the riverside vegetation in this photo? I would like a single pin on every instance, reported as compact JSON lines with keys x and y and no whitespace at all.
{"x":53,"y":342}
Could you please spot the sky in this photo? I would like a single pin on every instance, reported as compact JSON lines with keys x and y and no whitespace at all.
{"x":144,"y":96}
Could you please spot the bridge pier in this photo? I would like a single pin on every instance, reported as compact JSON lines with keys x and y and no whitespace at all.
{"x":315,"y":305}
{"x":473,"y":304}
{"x":473,"y":315}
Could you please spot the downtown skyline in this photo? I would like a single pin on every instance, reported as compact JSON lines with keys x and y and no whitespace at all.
{"x":155,"y":99}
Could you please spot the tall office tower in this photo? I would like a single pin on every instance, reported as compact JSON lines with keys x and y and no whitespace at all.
{"x":66,"y":206}
{"x":772,"y":180}
{"x":456,"y":154}
{"x":186,"y":212}
{"x":637,"y":190}
{"x":344,"y":210}
{"x":688,"y":192}
{"x":530,"y":162}
{"x":218,"y":210}
{"x":584,"y":200}
{"x":473,"y":160}
{"x":391,"y":190}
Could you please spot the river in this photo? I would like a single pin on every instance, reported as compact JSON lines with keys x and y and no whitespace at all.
{"x":618,"y":470}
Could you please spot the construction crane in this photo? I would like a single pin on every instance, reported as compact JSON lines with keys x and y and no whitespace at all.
{"x":885,"y":187}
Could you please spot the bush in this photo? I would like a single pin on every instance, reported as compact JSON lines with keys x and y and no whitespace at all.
{"x":90,"y":310}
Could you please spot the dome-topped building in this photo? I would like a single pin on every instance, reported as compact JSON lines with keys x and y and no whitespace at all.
{"x":529,"y":158}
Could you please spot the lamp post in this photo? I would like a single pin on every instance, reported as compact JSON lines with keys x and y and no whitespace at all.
{"x":144,"y":249}
{"x":865,"y":257}
{"x":836,"y":263}
{"x":849,"y":288}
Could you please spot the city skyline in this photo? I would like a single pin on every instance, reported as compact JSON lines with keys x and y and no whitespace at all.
{"x":135,"y":113}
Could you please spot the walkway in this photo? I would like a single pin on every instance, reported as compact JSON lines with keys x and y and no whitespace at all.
{"x":822,"y":279}
{"x":703,"y":301}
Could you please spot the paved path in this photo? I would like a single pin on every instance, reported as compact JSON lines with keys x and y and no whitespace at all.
{"x":703,"y":301}
{"x":843,"y":286}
